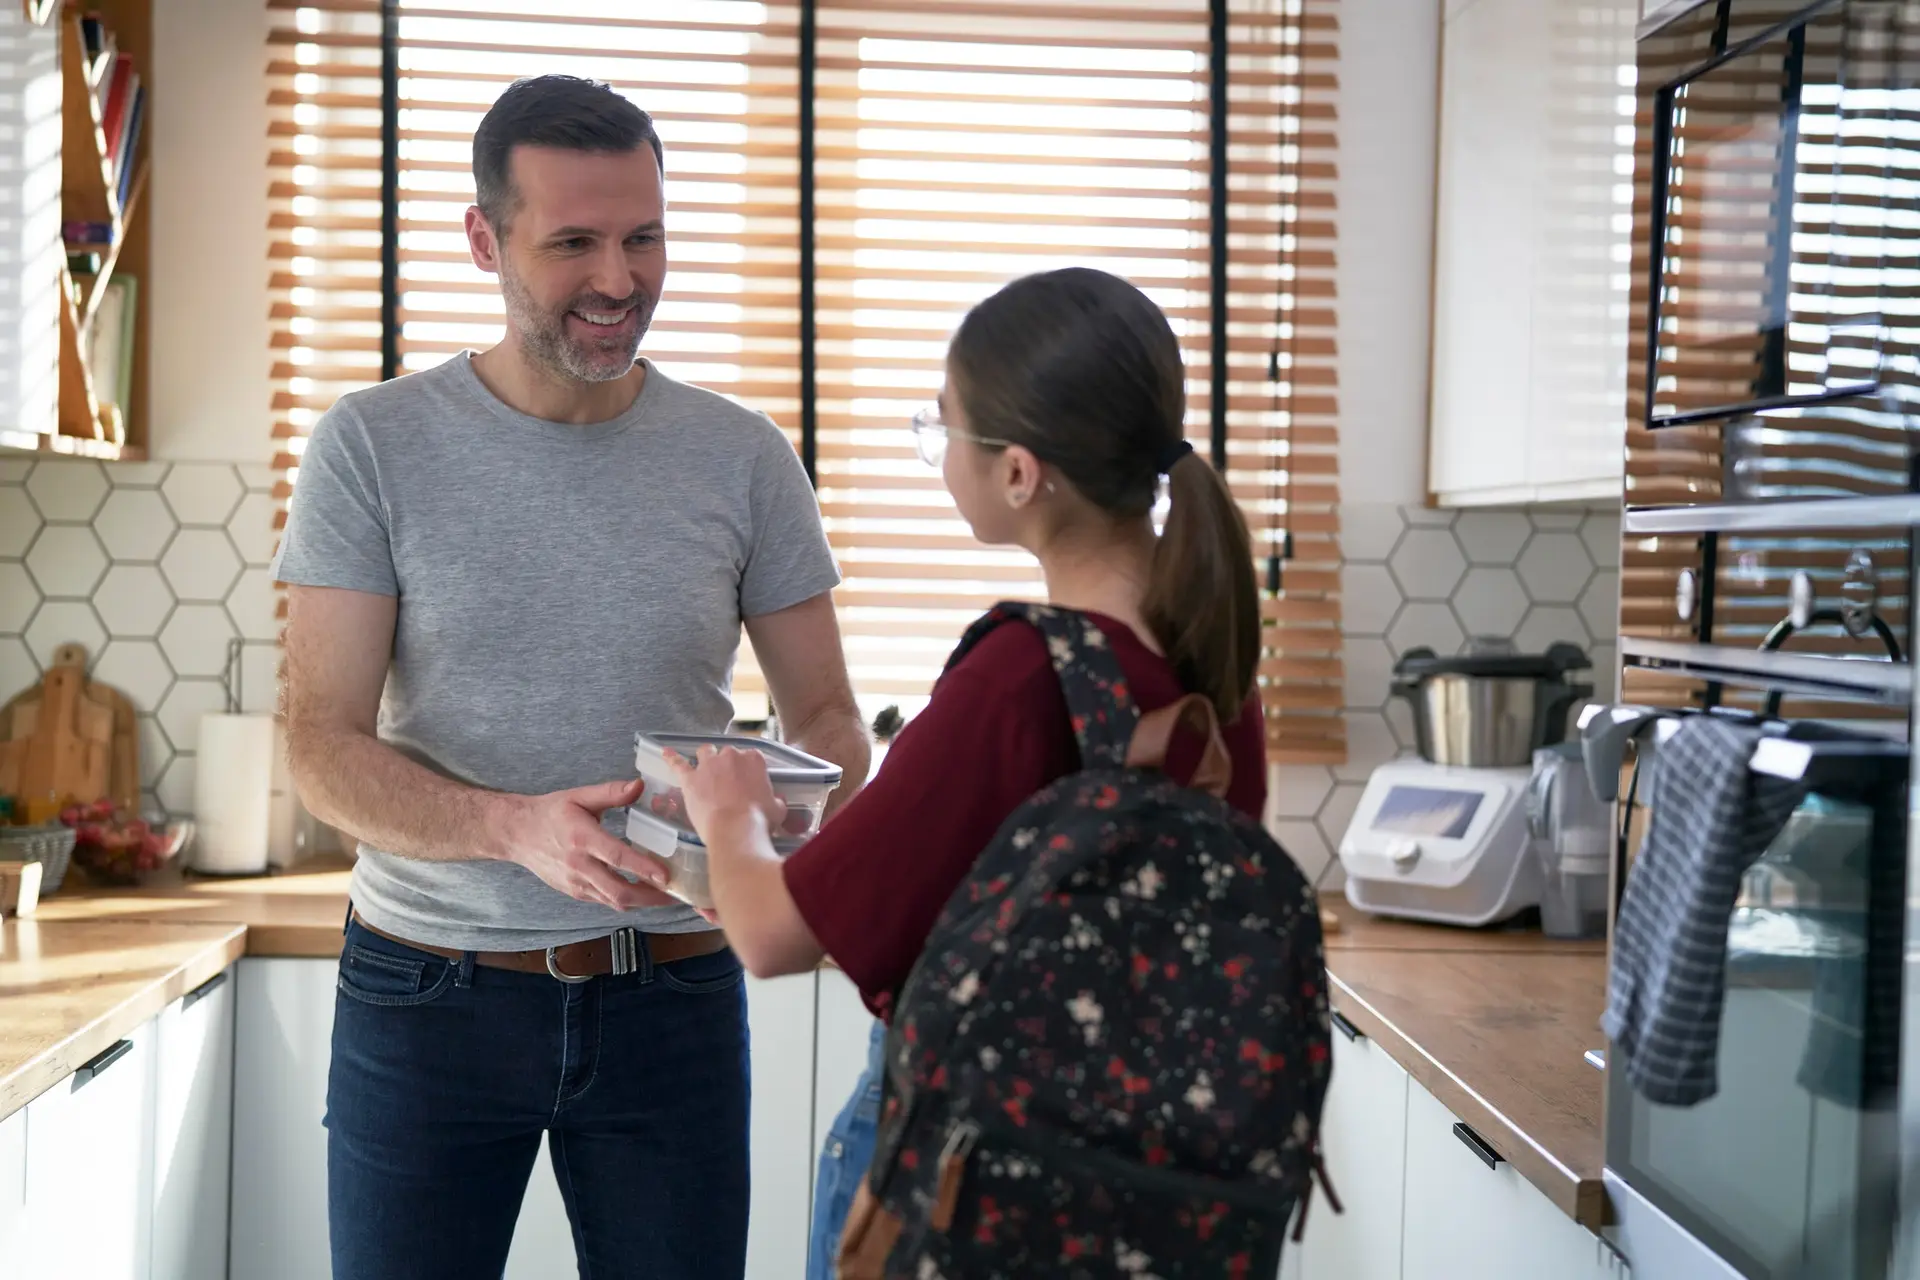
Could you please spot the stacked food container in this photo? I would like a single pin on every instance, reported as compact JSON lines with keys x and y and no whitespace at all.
{"x":657,"y":821}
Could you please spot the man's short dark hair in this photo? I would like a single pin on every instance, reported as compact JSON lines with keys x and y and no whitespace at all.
{"x":551,"y":111}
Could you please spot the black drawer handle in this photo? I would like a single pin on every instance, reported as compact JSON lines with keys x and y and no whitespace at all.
{"x":1479,"y":1146}
{"x":101,"y":1061}
{"x":202,"y":991}
{"x":1345,"y":1027}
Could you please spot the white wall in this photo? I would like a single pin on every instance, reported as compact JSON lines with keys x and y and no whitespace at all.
{"x":1389,"y":99}
{"x":209,"y":373}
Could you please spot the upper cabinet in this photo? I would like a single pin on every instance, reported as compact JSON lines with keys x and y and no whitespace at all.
{"x":1532,"y":246}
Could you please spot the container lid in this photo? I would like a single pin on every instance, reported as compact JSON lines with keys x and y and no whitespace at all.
{"x":656,"y":833}
{"x":784,"y":763}
{"x":1496,"y":660}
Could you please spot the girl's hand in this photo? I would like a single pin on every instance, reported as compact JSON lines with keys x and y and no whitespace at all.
{"x":727,"y":783}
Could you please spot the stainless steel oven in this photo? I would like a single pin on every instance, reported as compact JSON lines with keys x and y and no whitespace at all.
{"x":1768,"y":551}
{"x":1789,"y":1169}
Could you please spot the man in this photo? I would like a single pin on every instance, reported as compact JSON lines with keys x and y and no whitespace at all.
{"x":536,"y":551}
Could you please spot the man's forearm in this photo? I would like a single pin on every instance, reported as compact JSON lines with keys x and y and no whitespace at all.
{"x":841,"y":737}
{"x":364,"y":787}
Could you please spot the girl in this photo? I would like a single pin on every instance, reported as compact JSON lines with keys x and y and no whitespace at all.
{"x":1065,"y":401}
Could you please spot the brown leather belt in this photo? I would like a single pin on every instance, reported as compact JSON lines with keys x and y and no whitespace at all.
{"x":617,"y":953}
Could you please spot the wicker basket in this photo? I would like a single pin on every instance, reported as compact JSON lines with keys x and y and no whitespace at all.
{"x":50,"y":845}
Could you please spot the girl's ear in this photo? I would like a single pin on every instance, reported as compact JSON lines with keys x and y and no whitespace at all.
{"x":1021,"y":475}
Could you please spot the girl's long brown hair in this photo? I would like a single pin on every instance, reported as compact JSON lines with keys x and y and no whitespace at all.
{"x":1083,"y":369}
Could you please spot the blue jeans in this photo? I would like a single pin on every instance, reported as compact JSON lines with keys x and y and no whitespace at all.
{"x":843,"y":1161}
{"x":445,"y":1075}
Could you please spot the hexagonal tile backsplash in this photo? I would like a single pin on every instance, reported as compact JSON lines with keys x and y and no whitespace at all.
{"x":153,"y":567}
{"x":1415,"y":576}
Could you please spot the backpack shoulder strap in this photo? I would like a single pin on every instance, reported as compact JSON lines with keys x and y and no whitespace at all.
{"x":1091,"y":677}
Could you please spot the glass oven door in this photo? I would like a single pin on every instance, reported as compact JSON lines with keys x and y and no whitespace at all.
{"x":1788,"y":1170}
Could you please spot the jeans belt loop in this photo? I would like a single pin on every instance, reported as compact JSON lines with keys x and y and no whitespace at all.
{"x":625,"y":946}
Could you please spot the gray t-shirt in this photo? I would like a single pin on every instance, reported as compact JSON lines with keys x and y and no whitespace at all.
{"x":560,"y":587}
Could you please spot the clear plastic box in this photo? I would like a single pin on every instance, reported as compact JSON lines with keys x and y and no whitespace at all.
{"x":684,"y":854}
{"x":801,"y":780}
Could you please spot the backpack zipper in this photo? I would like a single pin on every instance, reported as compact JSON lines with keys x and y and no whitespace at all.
{"x":1051,"y":1144}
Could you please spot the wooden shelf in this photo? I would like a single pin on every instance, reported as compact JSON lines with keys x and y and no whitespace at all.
{"x":14,"y":442}
{"x":90,"y":194}
{"x":88,"y":190}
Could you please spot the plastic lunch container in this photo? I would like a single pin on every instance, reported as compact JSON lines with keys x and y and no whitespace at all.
{"x":685,"y":856}
{"x":803,"y":781}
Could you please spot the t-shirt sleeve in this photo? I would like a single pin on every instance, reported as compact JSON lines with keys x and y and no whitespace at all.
{"x":788,"y":560}
{"x":873,"y":882}
{"x":337,"y":533}
{"x":1247,"y":742}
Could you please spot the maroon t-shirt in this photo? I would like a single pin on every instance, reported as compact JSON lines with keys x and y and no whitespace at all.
{"x":874,"y":880}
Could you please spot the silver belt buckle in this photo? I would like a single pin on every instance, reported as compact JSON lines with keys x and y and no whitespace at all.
{"x":624,"y":944}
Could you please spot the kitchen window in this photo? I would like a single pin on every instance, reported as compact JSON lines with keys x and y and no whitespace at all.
{"x":950,"y":147}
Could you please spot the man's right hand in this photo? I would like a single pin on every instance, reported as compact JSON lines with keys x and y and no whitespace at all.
{"x":559,"y":838}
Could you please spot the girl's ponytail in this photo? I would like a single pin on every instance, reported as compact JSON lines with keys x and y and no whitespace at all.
{"x":1202,"y":601}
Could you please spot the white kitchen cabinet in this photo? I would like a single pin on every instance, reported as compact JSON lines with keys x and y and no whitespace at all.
{"x":1532,"y":233}
{"x":279,"y":1220}
{"x":192,"y":1132}
{"x":89,"y":1168}
{"x":841,"y":1054}
{"x":781,"y":1013}
{"x":283,"y":1034}
{"x":1466,"y":1221}
{"x":1363,"y":1135}
{"x":13,"y":1185}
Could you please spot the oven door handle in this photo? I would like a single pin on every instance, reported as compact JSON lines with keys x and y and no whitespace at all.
{"x":1824,"y":764}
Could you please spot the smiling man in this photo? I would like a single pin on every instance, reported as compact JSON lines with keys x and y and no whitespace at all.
{"x":498,"y":570}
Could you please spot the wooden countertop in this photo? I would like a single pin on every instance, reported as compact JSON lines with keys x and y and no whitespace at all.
{"x":1493,"y":1022}
{"x":69,"y":990}
{"x":298,"y":912}
{"x":1496,"y":1025}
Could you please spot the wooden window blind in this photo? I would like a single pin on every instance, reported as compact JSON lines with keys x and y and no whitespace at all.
{"x":964,"y":143}
{"x":1853,"y":153}
{"x":959,"y":144}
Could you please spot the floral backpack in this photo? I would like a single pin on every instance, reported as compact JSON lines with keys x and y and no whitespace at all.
{"x":1111,"y":1057}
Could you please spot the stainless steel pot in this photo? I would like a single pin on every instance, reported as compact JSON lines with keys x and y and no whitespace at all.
{"x":1489,"y":707}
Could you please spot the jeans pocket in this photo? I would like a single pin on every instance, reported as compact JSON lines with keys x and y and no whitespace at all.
{"x":702,"y":975}
{"x":376,"y":978}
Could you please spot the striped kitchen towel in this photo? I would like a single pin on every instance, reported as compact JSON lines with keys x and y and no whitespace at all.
{"x":1711,"y":818}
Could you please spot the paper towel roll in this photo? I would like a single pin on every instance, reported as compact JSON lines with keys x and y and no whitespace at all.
{"x":233,"y":794}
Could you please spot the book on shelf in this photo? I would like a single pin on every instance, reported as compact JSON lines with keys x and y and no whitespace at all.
{"x":129,"y":143}
{"x":119,"y":97}
{"x":110,"y":341}
{"x":83,"y":264}
{"x":87,"y":232}
{"x":98,"y":44}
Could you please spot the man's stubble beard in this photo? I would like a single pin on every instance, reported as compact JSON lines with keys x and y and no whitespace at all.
{"x":543,"y":335}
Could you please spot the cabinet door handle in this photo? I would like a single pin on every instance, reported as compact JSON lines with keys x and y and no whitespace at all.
{"x":202,"y":991}
{"x":1345,"y":1027}
{"x":101,"y":1061}
{"x":1479,"y":1146}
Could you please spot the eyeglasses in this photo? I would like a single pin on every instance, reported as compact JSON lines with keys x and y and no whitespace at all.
{"x":930,"y":436}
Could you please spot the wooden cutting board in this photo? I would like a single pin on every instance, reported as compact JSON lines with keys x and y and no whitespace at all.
{"x":69,"y":739}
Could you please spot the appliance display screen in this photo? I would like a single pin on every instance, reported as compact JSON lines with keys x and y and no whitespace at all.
{"x":1427,"y":811}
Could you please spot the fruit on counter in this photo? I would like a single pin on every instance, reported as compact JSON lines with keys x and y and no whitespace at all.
{"x":117,"y":843}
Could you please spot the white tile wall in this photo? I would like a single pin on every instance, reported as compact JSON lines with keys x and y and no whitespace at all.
{"x":153,"y":566}
{"x":1415,"y":576}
